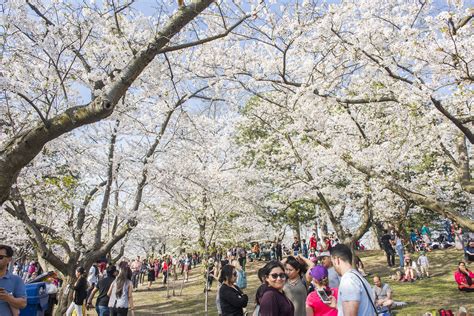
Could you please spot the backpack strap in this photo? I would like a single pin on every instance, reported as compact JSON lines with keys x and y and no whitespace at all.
{"x":366,"y":291}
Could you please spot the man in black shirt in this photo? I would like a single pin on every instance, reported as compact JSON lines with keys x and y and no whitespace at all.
{"x":279,"y":252}
{"x":103,"y":286}
{"x":296,"y":247}
{"x":386,"y":241}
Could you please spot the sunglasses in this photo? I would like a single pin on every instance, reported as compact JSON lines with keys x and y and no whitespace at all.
{"x":275,"y":276}
{"x":2,"y":256}
{"x":234,"y":274}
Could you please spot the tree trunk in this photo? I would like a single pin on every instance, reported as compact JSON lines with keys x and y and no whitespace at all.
{"x":297,"y":231}
{"x":323,"y":227}
{"x":65,"y":293}
{"x":375,"y":237}
{"x":202,"y":233}
{"x":352,"y":246}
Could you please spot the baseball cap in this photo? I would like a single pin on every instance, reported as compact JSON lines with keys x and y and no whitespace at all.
{"x":318,"y":272}
{"x":324,"y":254}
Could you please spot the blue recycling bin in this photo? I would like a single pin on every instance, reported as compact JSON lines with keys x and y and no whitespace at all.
{"x":37,"y":300}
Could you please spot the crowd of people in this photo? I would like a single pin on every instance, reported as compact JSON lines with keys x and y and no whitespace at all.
{"x":116,"y":284}
{"x":318,"y":277}
{"x":297,"y":285}
{"x":414,"y":263}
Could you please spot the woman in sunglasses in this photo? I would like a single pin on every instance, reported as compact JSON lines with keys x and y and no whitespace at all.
{"x":232,"y":299}
{"x":274,"y":301}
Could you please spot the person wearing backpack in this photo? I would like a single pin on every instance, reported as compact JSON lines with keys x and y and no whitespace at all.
{"x":241,"y":275}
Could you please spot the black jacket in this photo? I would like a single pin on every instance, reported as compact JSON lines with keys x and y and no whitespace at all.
{"x":232,"y":300}
{"x":80,"y":291}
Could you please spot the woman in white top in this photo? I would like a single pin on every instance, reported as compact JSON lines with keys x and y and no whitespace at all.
{"x":120,"y":293}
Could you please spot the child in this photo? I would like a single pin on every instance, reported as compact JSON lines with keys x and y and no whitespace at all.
{"x":410,"y":269}
{"x":312,"y":255}
{"x":424,"y":265}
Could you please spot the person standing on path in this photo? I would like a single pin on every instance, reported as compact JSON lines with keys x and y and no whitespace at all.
{"x":120,"y":294}
{"x":136,"y":266}
{"x":103,"y":286}
{"x":12,"y":287}
{"x":399,"y":249}
{"x":296,"y":246}
{"x":458,"y":240}
{"x":305,"y":248}
{"x":386,"y":241}
{"x":80,"y":293}
{"x":279,"y":251}
{"x":354,"y":294}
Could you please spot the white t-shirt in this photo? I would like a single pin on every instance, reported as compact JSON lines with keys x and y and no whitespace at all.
{"x":92,"y":277}
{"x":351,"y":289}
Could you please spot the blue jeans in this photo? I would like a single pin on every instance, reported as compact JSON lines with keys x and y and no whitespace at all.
{"x":102,"y":310}
{"x":399,"y":250}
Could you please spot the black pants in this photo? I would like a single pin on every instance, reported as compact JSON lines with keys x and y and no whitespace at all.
{"x":466,"y":289}
{"x":117,"y":311}
{"x":165,"y":276}
{"x":390,"y":256}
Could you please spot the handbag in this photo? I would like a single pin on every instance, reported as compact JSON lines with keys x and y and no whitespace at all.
{"x":379,"y":311}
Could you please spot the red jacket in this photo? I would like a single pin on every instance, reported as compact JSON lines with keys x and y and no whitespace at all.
{"x":312,"y":242}
{"x":461,"y":278}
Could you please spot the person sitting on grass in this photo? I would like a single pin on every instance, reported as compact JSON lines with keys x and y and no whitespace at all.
{"x":410,"y":269}
{"x":360,"y":266}
{"x":382,"y":292}
{"x":469,"y":251}
{"x":464,"y":278}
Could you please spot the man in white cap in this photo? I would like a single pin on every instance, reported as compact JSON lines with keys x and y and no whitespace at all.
{"x":334,"y":278}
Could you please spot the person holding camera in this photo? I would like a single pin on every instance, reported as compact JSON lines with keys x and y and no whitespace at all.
{"x":316,"y":300}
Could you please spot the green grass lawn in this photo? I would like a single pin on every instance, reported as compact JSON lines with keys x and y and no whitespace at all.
{"x":431,"y":294}
{"x":439,"y":291}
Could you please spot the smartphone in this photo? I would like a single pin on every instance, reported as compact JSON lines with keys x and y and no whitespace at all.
{"x":323,"y":295}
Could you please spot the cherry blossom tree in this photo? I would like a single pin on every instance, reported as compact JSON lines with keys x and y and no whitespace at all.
{"x":68,"y":48}
{"x":382,"y":90}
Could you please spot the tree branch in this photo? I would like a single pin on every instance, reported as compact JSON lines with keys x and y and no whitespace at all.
{"x":108,"y":186}
{"x":81,"y":215}
{"x":17,"y":152}
{"x":43,"y":119}
{"x":466,"y":131}
{"x":205,"y":40}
